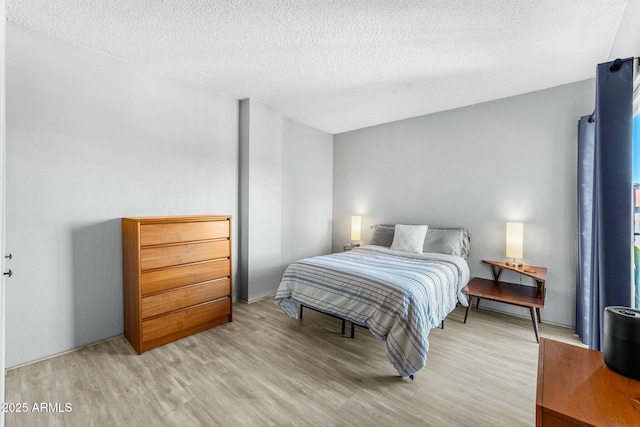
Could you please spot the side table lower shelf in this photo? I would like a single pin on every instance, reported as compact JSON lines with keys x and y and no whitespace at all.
{"x":521,"y":295}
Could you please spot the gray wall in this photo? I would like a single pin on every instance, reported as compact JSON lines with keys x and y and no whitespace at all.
{"x":89,"y":140}
{"x":476,"y":167}
{"x":285,"y":197}
{"x":307,"y":191}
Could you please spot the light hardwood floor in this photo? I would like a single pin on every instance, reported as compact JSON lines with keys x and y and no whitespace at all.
{"x":266,"y":369}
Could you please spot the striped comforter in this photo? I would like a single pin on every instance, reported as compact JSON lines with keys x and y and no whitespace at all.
{"x":399,"y":296}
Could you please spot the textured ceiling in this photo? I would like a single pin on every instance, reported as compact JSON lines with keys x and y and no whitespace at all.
{"x":343,"y":65}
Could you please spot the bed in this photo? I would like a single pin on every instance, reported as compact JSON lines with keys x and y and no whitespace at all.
{"x":398,"y":295}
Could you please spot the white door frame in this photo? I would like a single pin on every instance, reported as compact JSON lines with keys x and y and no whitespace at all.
{"x":3,"y":20}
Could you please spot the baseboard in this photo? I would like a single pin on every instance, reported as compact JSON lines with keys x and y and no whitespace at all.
{"x":42,"y":359}
{"x":521,"y":316}
{"x":255,"y":300}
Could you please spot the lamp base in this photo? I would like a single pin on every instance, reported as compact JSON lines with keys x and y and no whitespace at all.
{"x":514,"y":263}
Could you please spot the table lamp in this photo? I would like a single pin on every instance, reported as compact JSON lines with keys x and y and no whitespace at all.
{"x":356,"y":227}
{"x":515,"y":242}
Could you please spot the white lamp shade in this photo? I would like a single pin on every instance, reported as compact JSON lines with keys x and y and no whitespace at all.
{"x":515,"y":239}
{"x":356,"y":227}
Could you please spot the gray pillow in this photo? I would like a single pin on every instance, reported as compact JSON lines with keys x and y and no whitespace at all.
{"x":455,"y":241}
{"x":382,"y":235}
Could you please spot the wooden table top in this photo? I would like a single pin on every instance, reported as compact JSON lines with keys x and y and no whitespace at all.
{"x":574,"y":384}
{"x":537,"y":273}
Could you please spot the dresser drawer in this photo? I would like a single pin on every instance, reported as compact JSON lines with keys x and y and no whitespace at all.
{"x":158,"y":234}
{"x":175,"y":277}
{"x":549,"y":420}
{"x":165,"y":302}
{"x":165,"y":256}
{"x":174,"y":322}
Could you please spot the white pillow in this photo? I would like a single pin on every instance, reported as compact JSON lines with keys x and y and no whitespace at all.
{"x":409,"y":238}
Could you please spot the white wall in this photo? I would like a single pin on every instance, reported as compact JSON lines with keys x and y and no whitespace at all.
{"x":307,"y":191}
{"x":476,"y":167}
{"x":260,"y":198}
{"x":285,"y":198}
{"x":89,"y":140}
{"x":627,"y":41}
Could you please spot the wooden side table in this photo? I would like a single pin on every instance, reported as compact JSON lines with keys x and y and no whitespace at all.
{"x":531,"y":297}
{"x":576,"y":388}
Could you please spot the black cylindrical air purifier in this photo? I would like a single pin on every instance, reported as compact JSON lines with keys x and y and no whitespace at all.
{"x":621,"y":345}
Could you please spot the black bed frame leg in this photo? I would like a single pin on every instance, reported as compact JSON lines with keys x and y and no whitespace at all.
{"x":343,"y":325}
{"x":353,"y":330}
{"x":301,"y":307}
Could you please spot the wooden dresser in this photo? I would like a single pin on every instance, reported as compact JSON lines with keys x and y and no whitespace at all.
{"x":576,"y":388}
{"x":177,"y":277}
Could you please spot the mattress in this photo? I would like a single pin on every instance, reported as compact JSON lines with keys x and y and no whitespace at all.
{"x":398,"y":296}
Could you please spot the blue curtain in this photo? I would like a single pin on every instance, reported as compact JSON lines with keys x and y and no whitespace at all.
{"x":605,"y":217}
